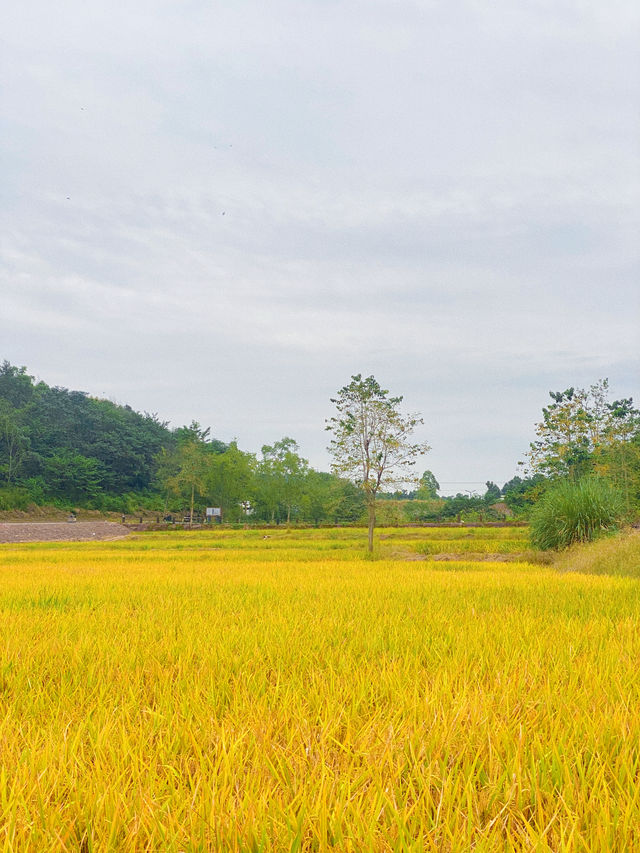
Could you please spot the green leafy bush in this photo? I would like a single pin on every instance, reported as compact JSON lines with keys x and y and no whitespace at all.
{"x":575,"y":512}
{"x":14,"y":497}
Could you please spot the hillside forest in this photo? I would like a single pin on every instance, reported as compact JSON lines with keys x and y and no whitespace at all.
{"x":70,"y":450}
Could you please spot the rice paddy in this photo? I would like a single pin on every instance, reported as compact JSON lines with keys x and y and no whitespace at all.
{"x":226,"y":691}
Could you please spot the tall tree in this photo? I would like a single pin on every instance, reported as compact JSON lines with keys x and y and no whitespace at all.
{"x":618,"y":458}
{"x":371,"y":441}
{"x":581,"y":432}
{"x":189,"y":478}
{"x":572,"y":427}
{"x":283,"y":472}
{"x":13,"y":444}
{"x":428,"y":486}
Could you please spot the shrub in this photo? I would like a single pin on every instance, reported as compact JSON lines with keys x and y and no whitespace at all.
{"x":14,"y":497}
{"x":575,"y":512}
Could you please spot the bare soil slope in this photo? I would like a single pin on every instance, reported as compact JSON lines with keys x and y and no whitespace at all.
{"x":61,"y":531}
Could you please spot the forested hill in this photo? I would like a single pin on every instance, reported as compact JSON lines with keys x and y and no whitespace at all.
{"x":69,"y":449}
{"x":60,"y":444}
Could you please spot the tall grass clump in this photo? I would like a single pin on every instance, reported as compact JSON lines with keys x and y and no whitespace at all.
{"x":573,"y":512}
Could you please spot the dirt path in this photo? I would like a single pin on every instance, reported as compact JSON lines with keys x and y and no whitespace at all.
{"x":466,"y":557}
{"x":61,"y":531}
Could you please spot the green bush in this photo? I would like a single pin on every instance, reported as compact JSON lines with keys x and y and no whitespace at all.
{"x":575,"y":512}
{"x":14,"y":497}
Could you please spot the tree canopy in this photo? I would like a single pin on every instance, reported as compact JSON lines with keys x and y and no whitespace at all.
{"x":583,"y":433}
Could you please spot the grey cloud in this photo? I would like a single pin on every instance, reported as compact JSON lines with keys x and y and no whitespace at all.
{"x":266,"y":198}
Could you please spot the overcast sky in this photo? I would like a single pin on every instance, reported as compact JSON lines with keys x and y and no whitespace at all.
{"x":220,"y":211}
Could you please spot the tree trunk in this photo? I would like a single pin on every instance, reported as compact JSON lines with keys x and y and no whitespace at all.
{"x":193,"y":489}
{"x":372,"y":523}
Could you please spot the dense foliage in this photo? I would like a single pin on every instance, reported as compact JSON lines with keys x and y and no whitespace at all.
{"x":587,"y":458}
{"x":65,"y":446}
{"x":69,"y":449}
{"x":583,"y":433}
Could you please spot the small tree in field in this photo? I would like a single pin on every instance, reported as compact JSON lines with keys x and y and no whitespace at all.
{"x":371,"y":440}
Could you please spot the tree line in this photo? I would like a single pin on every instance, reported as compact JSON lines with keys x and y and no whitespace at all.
{"x":585,"y":445}
{"x":70,"y":449}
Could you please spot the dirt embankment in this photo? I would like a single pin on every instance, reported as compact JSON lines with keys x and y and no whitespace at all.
{"x":61,"y":531}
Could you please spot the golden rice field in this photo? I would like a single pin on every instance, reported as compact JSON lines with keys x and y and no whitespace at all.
{"x":222,"y":691}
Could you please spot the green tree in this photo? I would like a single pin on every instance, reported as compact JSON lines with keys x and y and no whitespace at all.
{"x":229,"y":479}
{"x":492,"y":494}
{"x":428,"y":487}
{"x":16,"y":386}
{"x":520,"y":494}
{"x":349,"y":504}
{"x":572,"y":427}
{"x":13,"y":444}
{"x":73,"y":476}
{"x":325,"y":497}
{"x":371,"y":441}
{"x":190,"y":466}
{"x":582,"y":433}
{"x":618,"y":457}
{"x":318,"y":496}
{"x":282,"y":472}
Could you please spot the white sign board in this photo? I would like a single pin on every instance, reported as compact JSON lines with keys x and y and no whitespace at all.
{"x":214,"y":511}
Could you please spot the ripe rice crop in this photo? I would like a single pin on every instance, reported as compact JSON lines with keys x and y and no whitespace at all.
{"x":221,"y":691}
{"x":472,"y":546}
